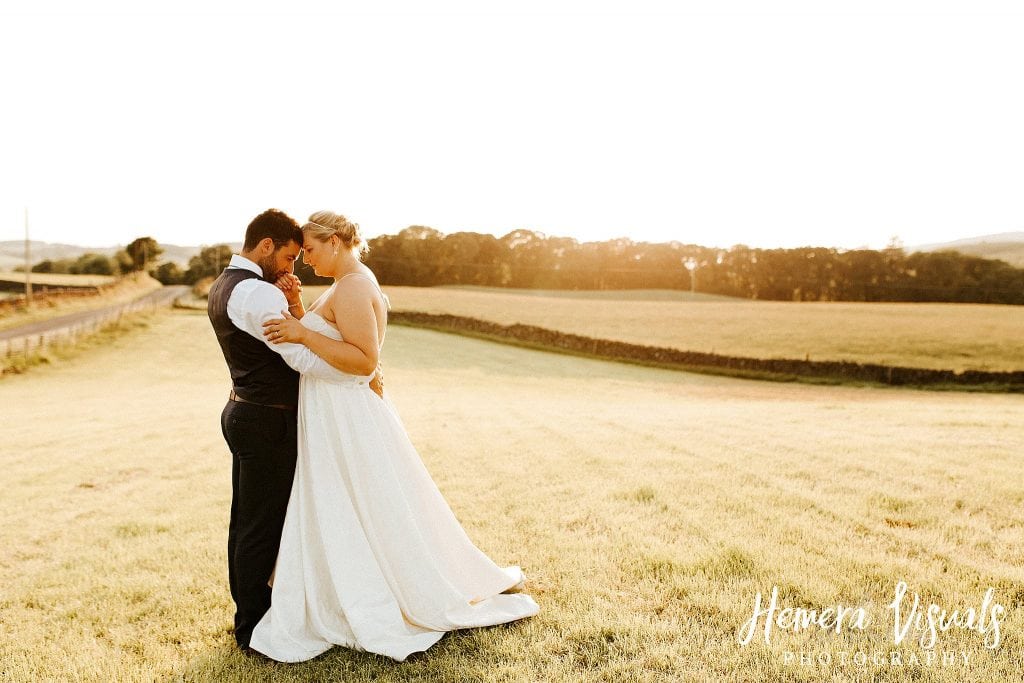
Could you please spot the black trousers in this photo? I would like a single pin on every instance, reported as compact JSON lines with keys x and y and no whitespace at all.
{"x":263,"y":450}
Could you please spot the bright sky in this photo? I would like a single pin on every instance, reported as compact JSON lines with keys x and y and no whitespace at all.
{"x":766,"y":123}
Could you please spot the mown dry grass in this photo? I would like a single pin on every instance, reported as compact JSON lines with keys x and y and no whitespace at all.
{"x":127,"y":289}
{"x":62,"y":350}
{"x":647,"y":507}
{"x":942,"y":336}
{"x":58,"y":279}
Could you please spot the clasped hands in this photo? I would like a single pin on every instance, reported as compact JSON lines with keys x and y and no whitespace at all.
{"x":290,"y":329}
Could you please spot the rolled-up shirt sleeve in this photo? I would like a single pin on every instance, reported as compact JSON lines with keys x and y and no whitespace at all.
{"x":252,"y":303}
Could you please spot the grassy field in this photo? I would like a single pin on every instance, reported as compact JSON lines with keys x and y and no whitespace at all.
{"x":941,"y":336}
{"x":58,"y":279}
{"x":127,"y":289}
{"x":597,"y":294}
{"x":648,"y":508}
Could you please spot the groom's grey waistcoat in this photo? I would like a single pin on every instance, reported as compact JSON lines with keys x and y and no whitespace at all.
{"x":258,"y":374}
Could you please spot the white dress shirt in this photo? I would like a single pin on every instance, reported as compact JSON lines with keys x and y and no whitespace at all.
{"x":253,"y":302}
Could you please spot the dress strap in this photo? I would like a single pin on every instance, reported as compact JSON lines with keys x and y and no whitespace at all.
{"x":356,"y":273}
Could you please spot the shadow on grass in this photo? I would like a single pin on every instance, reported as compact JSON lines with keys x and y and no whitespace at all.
{"x":466,"y":655}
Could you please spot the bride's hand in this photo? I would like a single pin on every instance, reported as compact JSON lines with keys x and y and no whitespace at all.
{"x":286,"y":329}
{"x":291,"y":285}
{"x":377,"y":383}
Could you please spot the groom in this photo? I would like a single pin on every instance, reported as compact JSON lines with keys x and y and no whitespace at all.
{"x":259,"y":420}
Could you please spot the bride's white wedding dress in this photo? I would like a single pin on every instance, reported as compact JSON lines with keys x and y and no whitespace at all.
{"x":372,"y":557}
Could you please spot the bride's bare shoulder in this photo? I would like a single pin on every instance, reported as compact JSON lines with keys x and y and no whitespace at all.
{"x":359,"y":285}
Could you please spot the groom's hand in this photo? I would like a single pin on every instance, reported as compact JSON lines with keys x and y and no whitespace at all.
{"x":377,"y":383}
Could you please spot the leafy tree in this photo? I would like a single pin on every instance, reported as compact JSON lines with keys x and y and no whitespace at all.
{"x":419,"y":247}
{"x":527,"y":256}
{"x":46,"y":266}
{"x":209,"y":262}
{"x":168,"y":273}
{"x":93,"y":264}
{"x":142,"y":251}
{"x":124,"y":262}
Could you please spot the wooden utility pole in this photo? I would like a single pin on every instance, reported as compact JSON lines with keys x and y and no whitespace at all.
{"x":28,"y":264}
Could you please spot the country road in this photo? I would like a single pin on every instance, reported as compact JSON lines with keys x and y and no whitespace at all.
{"x":159,"y":297}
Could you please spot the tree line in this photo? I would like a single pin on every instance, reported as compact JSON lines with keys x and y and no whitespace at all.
{"x":134,"y":258}
{"x":422,"y":256}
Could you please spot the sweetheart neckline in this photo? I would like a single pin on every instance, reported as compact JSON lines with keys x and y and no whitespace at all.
{"x":334,"y":327}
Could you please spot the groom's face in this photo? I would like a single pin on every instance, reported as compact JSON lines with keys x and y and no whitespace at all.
{"x":280,"y":262}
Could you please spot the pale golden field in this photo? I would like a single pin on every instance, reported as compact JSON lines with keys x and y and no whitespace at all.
{"x":648,"y":507}
{"x":941,"y":336}
{"x":129,"y":288}
{"x":59,"y":279}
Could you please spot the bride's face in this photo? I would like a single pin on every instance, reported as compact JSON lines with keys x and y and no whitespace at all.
{"x":317,"y":255}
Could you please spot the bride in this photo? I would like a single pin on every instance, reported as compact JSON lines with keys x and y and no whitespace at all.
{"x":371,"y":557}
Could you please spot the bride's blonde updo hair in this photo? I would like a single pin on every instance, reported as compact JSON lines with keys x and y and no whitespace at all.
{"x":325,"y":224}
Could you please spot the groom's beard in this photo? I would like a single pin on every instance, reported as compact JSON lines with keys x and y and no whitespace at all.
{"x":267,"y":266}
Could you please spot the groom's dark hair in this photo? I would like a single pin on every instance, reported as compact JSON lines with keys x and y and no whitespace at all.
{"x":277,"y":225}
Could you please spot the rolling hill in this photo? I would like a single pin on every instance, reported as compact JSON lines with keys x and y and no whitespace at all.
{"x":12,"y":252}
{"x":1005,"y":246}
